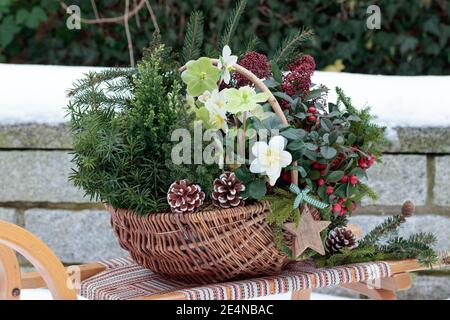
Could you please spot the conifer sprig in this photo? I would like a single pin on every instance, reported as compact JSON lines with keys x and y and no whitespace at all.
{"x":193,"y":39}
{"x":231,"y":25}
{"x":290,"y":45}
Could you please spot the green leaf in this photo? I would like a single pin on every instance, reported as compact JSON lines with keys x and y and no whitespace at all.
{"x":257,"y":189}
{"x":349,"y":190}
{"x":315,"y":93}
{"x":351,"y":139}
{"x":271,"y":83}
{"x":276,"y":72}
{"x":284,"y":96}
{"x":36,"y":17}
{"x":341,"y":190}
{"x":328,"y":152}
{"x":243,"y":174}
{"x":354,"y":118}
{"x":360,"y":173}
{"x":8,"y":29}
{"x":326,"y":124}
{"x":22,"y":16}
{"x":295,"y":145}
{"x":314,"y":174}
{"x":335,"y":176}
{"x":311,"y":155}
{"x":293,"y":134}
{"x":273,"y":122}
{"x":322,"y":192}
{"x":332,"y":138}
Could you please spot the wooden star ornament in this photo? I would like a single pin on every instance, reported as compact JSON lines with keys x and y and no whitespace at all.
{"x":307,"y":233}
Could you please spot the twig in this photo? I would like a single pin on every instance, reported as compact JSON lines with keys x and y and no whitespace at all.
{"x":119,"y":19}
{"x":94,"y":8}
{"x":152,"y":16}
{"x":138,"y":21}
{"x":126,"y":16}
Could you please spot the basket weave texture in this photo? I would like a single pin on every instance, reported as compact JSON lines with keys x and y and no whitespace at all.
{"x":208,"y":246}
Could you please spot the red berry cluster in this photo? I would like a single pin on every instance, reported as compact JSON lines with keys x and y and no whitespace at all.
{"x":366,"y":162}
{"x":304,"y":63}
{"x":256,"y":63}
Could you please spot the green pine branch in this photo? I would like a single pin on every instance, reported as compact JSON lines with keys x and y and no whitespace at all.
{"x":193,"y":39}
{"x":232,"y":24}
{"x":290,"y":45}
{"x":387,"y":227}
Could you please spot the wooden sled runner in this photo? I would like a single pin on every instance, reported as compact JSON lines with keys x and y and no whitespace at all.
{"x":62,"y":281}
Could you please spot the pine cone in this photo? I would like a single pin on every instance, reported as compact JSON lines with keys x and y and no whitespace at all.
{"x":338,"y":239}
{"x":184,"y":197}
{"x":227,"y":191}
{"x":407,"y":209}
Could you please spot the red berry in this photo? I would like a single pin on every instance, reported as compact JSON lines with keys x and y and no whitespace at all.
{"x":316,"y":166}
{"x":323,"y":172}
{"x":362,"y":163}
{"x":286,"y":177}
{"x":323,"y":166}
{"x":371,"y":160}
{"x":344,"y":179}
{"x":312,"y":110}
{"x":330,"y":190}
{"x":354,"y":206}
{"x":353,"y":180}
{"x":311,"y":118}
{"x":343,"y":211}
{"x":320,"y":182}
{"x":341,"y":200}
{"x":337,"y":208}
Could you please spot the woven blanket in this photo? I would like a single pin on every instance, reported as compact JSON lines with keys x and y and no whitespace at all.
{"x":123,"y":279}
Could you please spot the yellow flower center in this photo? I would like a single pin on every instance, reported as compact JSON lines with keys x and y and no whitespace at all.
{"x":203,"y":76}
{"x":273,"y":158}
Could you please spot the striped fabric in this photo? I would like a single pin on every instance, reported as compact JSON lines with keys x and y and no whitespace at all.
{"x":123,"y":280}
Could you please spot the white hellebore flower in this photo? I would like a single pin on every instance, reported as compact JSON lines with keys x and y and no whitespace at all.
{"x":218,"y":118}
{"x":226,"y":63}
{"x":216,"y":100}
{"x":204,"y":96}
{"x":270,"y":158}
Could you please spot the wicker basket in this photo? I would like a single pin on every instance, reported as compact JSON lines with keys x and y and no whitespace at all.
{"x":211,"y":245}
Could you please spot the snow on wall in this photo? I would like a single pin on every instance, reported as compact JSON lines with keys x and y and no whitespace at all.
{"x":398,"y":101}
{"x":37,"y":93}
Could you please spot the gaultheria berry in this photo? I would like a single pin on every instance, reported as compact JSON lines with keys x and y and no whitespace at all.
{"x":320,"y":182}
{"x":330,"y":190}
{"x":341,"y":200}
{"x":362,"y":163}
{"x":343,"y":211}
{"x":256,"y":63}
{"x":353,"y":180}
{"x":323,"y":172}
{"x":371,"y":160}
{"x":354,"y":206}
{"x":344,"y":179}
{"x":316,"y":165}
{"x":312,"y":110}
{"x":312,"y":118}
{"x":337,"y":208}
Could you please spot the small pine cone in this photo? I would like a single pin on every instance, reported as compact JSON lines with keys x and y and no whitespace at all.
{"x":185,"y":197}
{"x":227,"y":191}
{"x":338,"y":239}
{"x":407,"y":209}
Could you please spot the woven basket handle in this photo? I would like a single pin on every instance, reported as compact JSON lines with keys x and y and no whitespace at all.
{"x":272,"y":100}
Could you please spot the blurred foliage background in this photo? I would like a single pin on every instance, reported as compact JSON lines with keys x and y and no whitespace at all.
{"x":413,"y":40}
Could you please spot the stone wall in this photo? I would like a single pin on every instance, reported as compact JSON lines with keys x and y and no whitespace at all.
{"x":35,"y":192}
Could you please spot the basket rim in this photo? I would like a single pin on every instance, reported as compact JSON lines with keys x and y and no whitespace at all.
{"x":202,"y":213}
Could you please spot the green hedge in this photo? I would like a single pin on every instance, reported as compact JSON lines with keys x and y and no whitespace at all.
{"x":414,"y":36}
